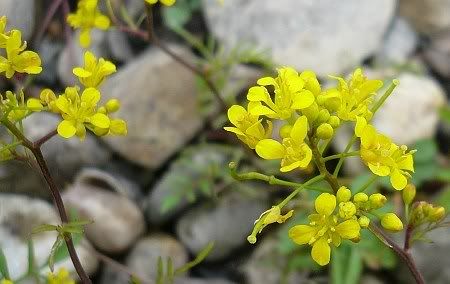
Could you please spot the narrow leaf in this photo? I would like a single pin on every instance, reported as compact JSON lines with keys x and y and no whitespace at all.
{"x":354,"y":266}
{"x":200,"y":257}
{"x":3,"y":265}
{"x":160,"y":272}
{"x":44,"y":228}
{"x":51,"y":259}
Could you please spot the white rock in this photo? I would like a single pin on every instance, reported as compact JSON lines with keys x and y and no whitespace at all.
{"x":20,"y":15}
{"x":326,"y":36}
{"x":429,"y":17}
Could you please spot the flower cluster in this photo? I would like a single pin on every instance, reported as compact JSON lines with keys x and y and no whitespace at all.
{"x":17,"y":58}
{"x":61,"y":277}
{"x":86,"y":17}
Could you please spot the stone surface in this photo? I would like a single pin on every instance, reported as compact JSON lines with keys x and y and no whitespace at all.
{"x":119,"y":46}
{"x":411,"y":112}
{"x":49,"y":51}
{"x":158,"y":101}
{"x":21,"y":15}
{"x":118,"y":222}
{"x":428,"y":17}
{"x":228,"y":224}
{"x":399,"y":43}
{"x":18,"y":216}
{"x":190,"y":280}
{"x":437,"y":54}
{"x":303,"y":33}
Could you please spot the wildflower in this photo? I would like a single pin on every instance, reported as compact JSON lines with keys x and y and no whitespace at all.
{"x":324,"y":229}
{"x":293,"y":152}
{"x":61,"y":277}
{"x":290,"y":95}
{"x":377,"y":200}
{"x":80,"y":112}
{"x":48,"y":98}
{"x":383,"y":157}
{"x":165,"y":2}
{"x":343,"y":194}
{"x":391,"y":222}
{"x":408,"y":194}
{"x":86,"y":17}
{"x":248,"y":128}
{"x":356,"y":95}
{"x":16,"y":107}
{"x":94,"y":71}
{"x":273,"y":215}
{"x":3,"y":36}
{"x":18,"y":60}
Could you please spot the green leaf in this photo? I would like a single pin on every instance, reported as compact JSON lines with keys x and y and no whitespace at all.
{"x":337,"y":266}
{"x":160,"y":272}
{"x":200,"y":257}
{"x":444,"y":113}
{"x":3,"y":265}
{"x":346,"y":264}
{"x":375,"y":254}
{"x":177,"y":16}
{"x":426,"y":151}
{"x":44,"y":228}
{"x":62,"y":252}
{"x":443,"y":174}
{"x":170,"y":274}
{"x":169,"y":202}
{"x":51,"y":259}
{"x":354,"y":267}
{"x":443,"y":199}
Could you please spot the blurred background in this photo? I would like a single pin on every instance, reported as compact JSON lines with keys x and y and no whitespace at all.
{"x":165,"y":189}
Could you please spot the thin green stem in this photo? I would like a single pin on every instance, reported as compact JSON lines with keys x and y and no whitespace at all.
{"x":341,"y":160}
{"x":386,"y":95}
{"x":318,"y":160}
{"x":300,"y":188}
{"x":342,"y":155}
{"x":367,"y":184}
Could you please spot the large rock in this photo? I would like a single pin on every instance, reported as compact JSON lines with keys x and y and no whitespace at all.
{"x":428,"y":17}
{"x":437,"y":54}
{"x":118,"y":222}
{"x":20,"y":15}
{"x":19,"y":215}
{"x":326,"y":36}
{"x":228,"y":224}
{"x":158,"y":98}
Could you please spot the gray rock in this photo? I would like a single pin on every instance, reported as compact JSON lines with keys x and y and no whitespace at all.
{"x":49,"y":51}
{"x":190,"y":280}
{"x":118,"y":222}
{"x":206,"y":159}
{"x":428,"y":17}
{"x":227,"y":223}
{"x":158,"y":98}
{"x":303,"y":33}
{"x":437,"y":54}
{"x":400,"y":42}
{"x":18,"y":217}
{"x":73,"y":55}
{"x":20,"y":15}
{"x":120,"y":47}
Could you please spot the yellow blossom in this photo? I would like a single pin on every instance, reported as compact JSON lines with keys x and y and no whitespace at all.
{"x":94,"y":71}
{"x":247,"y":127}
{"x":293,"y":152}
{"x":383,"y":157}
{"x":290,"y":95}
{"x":18,"y":60}
{"x":86,"y":17}
{"x":356,"y":95}
{"x":324,"y":229}
{"x":61,"y":277}
{"x":391,"y":222}
{"x":165,"y":2}
{"x":3,"y":35}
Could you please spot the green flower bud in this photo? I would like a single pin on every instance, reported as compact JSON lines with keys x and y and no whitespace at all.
{"x":364,"y":221}
{"x":377,"y":200}
{"x":285,"y":130}
{"x":347,"y":210}
{"x":417,"y":215}
{"x":408,"y":194}
{"x":391,"y":222}
{"x":334,"y":121}
{"x":343,"y":194}
{"x":324,"y":131}
{"x":360,"y":197}
{"x":324,"y":115}
{"x":437,"y":214}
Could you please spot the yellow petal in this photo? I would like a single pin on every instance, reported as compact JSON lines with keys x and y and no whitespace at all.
{"x":100,"y":120}
{"x":34,"y":104}
{"x":325,"y":204}
{"x":257,"y":94}
{"x":81,"y":72}
{"x":270,"y":149}
{"x":299,"y":130}
{"x":118,"y":127}
{"x":266,"y":81}
{"x":379,"y":170}
{"x":101,"y":22}
{"x":236,"y":113}
{"x":398,"y":180}
{"x":66,"y":129}
{"x":287,"y":168}
{"x":360,"y":126}
{"x":348,"y":229}
{"x":261,"y":110}
{"x":85,"y":38}
{"x":302,"y":100}
{"x":168,"y":2}
{"x":234,"y":130}
{"x":63,"y":104}
{"x":90,"y":96}
{"x":407,"y":163}
{"x":321,"y":252}
{"x":302,"y":234}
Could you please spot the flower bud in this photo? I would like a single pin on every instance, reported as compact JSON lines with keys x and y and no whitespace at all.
{"x":347,"y":210}
{"x":112,"y":105}
{"x":408,"y":194}
{"x":324,"y":115}
{"x":324,"y":131}
{"x":437,"y":214}
{"x":285,"y":130}
{"x":417,"y":214}
{"x":333,"y":100}
{"x":343,"y":194}
{"x":334,"y":121}
{"x":364,"y":221}
{"x":377,"y":200}
{"x":391,"y":222}
{"x":102,"y":109}
{"x":360,"y":197}
{"x":311,"y":112}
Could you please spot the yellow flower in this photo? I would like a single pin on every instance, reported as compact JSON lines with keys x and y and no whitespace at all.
{"x":293,"y":152}
{"x":61,"y":277}
{"x":324,"y":229}
{"x":80,"y":112}
{"x":18,"y":60}
{"x":165,"y":2}
{"x":94,"y":72}
{"x":248,"y":128}
{"x":86,"y":17}
{"x":3,"y":36}
{"x":383,"y":157}
{"x":356,"y":95}
{"x":290,"y":95}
